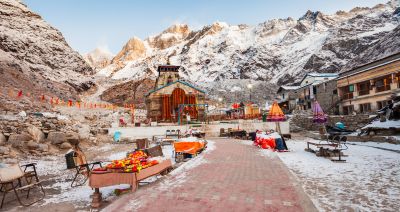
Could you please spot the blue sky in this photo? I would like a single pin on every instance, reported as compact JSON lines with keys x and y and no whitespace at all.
{"x":87,"y":24}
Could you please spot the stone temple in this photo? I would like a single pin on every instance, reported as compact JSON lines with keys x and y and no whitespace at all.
{"x":172,"y":97}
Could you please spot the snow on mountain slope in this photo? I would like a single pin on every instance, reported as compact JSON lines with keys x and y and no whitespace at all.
{"x":276,"y":51}
{"x":99,"y":58}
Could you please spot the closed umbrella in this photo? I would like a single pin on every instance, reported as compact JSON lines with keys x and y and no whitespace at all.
{"x":319,"y":116}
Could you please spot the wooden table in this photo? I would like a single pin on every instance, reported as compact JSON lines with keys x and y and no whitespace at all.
{"x":98,"y":180}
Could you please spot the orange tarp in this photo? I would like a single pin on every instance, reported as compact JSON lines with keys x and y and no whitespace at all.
{"x":188,"y":147}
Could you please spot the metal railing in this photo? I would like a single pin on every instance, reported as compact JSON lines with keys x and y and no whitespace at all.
{"x":383,"y":88}
{"x":347,"y":96}
{"x":363,"y":92}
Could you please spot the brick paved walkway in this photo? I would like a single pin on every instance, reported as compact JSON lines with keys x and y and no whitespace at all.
{"x":234,"y":177}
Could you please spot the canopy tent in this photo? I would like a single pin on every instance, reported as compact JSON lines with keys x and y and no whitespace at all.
{"x":275,"y":114}
{"x":318,"y":115}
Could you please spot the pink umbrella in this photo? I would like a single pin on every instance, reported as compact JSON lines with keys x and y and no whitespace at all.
{"x":318,"y":115}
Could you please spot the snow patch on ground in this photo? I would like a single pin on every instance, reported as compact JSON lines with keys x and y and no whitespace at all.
{"x":383,"y":125}
{"x":368,"y":181}
{"x":379,"y":145}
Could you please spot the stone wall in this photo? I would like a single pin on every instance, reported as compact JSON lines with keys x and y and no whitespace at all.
{"x":327,"y":97}
{"x":48,"y":133}
{"x":352,"y":122}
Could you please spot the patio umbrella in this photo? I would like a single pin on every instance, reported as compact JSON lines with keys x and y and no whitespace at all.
{"x":276,"y":115}
{"x":319,"y":116}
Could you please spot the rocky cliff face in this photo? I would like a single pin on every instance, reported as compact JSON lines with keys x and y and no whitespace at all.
{"x":35,"y":58}
{"x":276,"y":51}
{"x":131,"y":92}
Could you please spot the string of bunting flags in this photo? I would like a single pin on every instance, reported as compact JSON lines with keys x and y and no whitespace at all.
{"x":68,"y":103}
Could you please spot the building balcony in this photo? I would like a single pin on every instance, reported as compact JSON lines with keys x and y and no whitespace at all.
{"x":347,"y":96}
{"x":363,"y":92}
{"x":382,"y":88}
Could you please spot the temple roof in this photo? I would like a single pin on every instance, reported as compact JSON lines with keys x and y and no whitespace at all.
{"x":178,"y":81}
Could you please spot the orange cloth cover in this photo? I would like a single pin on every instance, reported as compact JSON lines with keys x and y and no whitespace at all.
{"x":188,"y":147}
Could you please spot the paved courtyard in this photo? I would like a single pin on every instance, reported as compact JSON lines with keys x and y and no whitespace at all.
{"x":232,"y":176}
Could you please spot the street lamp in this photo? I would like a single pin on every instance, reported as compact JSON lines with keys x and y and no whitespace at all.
{"x":250,"y":86}
{"x":219,"y":105}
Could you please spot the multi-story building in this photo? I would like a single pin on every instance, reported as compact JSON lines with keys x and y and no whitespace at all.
{"x":301,"y":97}
{"x":287,"y":96}
{"x":367,"y":88}
{"x":308,"y":89}
{"x":327,"y":97}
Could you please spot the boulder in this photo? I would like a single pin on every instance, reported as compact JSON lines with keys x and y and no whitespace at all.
{"x":36,"y":134}
{"x":57,"y":138}
{"x":18,"y":140}
{"x":3,"y":139}
{"x":43,"y":147}
{"x":4,"y":150}
{"x":65,"y":145}
{"x":32,"y":145}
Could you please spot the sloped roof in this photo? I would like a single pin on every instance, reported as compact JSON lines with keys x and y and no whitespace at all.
{"x":314,"y":74}
{"x":287,"y":88}
{"x":374,"y":64}
{"x":178,"y":81}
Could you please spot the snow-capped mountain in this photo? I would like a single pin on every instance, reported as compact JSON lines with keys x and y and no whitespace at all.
{"x":99,"y":58}
{"x":35,"y":58}
{"x":276,"y":51}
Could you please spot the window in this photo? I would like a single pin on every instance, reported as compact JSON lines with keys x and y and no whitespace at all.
{"x":283,"y":96}
{"x":334,"y":92}
{"x":314,"y":90}
{"x":383,"y":84}
{"x":169,"y":80}
{"x":348,"y":110}
{"x":347,"y":92}
{"x":365,"y":108}
{"x":363,"y":88}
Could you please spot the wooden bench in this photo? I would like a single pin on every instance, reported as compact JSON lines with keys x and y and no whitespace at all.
{"x":326,"y":152}
{"x":173,"y":133}
{"x":319,"y":145}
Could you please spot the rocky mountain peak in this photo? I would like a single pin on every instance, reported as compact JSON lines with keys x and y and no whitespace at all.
{"x":169,"y":37}
{"x":275,"y":51}
{"x":98,"y":58}
{"x":182,"y":29}
{"x":132,"y":50}
{"x":310,"y":15}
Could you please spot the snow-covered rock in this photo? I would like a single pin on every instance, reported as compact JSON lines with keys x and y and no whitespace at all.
{"x":276,"y":51}
{"x":98,"y":58}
